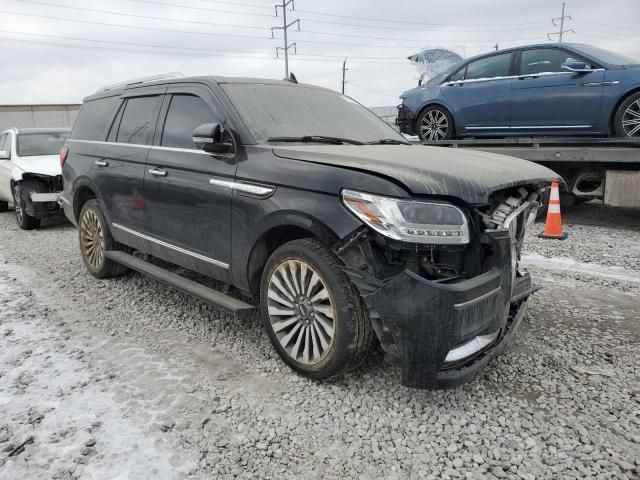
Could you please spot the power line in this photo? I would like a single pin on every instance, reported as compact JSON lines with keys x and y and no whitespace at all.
{"x":238,"y":4}
{"x":372,"y":91}
{"x":206,"y":52}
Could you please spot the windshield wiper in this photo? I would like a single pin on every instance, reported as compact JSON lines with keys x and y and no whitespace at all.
{"x":388,"y":141}
{"x":316,"y":139}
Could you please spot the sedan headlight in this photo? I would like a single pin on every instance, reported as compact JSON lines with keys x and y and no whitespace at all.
{"x":408,"y":220}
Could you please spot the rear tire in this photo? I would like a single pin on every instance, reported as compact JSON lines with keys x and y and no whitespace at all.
{"x":25,"y":221}
{"x":95,"y":239}
{"x":435,"y":123}
{"x":627,"y":120}
{"x":313,"y":315}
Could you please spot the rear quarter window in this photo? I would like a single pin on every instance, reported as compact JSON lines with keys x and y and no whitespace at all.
{"x":93,"y":118}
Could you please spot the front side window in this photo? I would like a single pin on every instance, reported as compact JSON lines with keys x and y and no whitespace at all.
{"x":489,"y":67}
{"x":459,"y":75}
{"x":186,"y":112}
{"x":546,"y":60}
{"x":138,"y":121}
{"x":282,"y":110}
{"x":32,"y":144}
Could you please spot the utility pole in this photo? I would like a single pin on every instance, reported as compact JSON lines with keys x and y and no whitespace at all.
{"x":561,"y":19}
{"x":285,"y":27}
{"x":496,"y":46}
{"x":344,"y":72}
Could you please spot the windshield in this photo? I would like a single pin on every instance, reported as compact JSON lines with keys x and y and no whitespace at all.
{"x":607,"y":56}
{"x":31,"y":144}
{"x":298,"y":111}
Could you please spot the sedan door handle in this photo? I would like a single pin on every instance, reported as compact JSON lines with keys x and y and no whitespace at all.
{"x":101,"y":163}
{"x":156,"y":172}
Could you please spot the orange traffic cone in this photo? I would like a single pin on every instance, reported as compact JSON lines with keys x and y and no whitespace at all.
{"x":553,"y":225}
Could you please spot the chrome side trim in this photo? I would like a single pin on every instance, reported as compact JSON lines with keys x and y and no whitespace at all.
{"x":472,"y":346}
{"x":135,"y":145}
{"x":527,"y":127}
{"x":212,"y":261}
{"x":512,"y":77}
{"x":472,"y":302}
{"x":259,"y":190}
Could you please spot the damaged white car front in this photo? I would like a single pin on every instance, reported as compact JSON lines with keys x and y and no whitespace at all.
{"x":30,"y":173}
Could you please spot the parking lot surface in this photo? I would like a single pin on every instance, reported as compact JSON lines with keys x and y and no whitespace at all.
{"x":128,"y":378}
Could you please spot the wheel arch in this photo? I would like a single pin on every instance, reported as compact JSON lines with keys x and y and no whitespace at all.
{"x":614,"y":110}
{"x":276,"y":235}
{"x":83,"y":193}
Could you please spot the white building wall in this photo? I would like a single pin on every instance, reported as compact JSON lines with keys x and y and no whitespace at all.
{"x":41,"y":116}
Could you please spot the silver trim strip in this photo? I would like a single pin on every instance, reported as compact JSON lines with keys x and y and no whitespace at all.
{"x":44,"y":197}
{"x":472,"y":346}
{"x":527,"y":127}
{"x":512,"y":77}
{"x":217,"y":263}
{"x":242,"y":187}
{"x":135,"y":145}
{"x":472,"y":302}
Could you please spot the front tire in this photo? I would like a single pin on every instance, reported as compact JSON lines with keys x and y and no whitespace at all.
{"x":95,"y":239}
{"x":627,"y":119}
{"x":25,"y":221}
{"x":435,"y":123}
{"x":313,"y":315}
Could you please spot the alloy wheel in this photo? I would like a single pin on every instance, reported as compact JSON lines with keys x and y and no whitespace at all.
{"x":92,"y":239}
{"x":301,"y":311}
{"x":16,"y":206}
{"x":434,"y":125}
{"x":631,"y":120}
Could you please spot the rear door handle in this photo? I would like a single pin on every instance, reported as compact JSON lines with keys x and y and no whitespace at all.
{"x":101,"y":163}
{"x":156,"y":172}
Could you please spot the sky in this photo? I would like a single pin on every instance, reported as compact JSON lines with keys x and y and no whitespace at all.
{"x":59,"y":51}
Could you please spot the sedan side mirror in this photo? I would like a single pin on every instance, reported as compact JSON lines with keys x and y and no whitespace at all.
{"x":576,"y":67}
{"x":210,"y":138}
{"x":4,"y":155}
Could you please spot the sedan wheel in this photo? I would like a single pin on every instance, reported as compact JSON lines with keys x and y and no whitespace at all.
{"x":435,"y":124}
{"x":301,"y":312}
{"x":631,"y":120}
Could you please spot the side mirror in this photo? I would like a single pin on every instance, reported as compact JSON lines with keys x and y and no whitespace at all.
{"x":4,"y":155}
{"x":209,"y":137}
{"x":576,"y":67}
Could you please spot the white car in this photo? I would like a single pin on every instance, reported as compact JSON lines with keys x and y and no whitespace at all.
{"x":30,"y":173}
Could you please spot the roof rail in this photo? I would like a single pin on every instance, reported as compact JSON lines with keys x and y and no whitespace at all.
{"x":151,"y":78}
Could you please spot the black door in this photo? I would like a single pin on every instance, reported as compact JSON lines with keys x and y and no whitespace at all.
{"x":188,"y":191}
{"x":119,"y":162}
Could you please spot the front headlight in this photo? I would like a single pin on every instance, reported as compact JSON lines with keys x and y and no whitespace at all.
{"x":409,"y":221}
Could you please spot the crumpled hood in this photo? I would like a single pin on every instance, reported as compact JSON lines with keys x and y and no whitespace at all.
{"x":466,"y":174}
{"x":40,"y":164}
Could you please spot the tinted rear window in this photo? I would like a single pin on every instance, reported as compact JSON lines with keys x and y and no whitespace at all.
{"x":138,"y":121}
{"x":93,"y":119}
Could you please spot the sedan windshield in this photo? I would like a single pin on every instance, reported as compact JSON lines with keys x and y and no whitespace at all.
{"x":32,"y":144}
{"x":608,"y":56}
{"x":296,"y":111}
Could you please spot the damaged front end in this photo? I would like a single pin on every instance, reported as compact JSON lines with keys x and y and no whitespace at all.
{"x":443,"y":310}
{"x":39,"y":194}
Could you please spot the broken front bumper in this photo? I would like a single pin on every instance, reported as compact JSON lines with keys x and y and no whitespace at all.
{"x":445,"y":332}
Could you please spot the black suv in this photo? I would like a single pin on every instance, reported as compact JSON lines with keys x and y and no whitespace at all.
{"x":315,"y":208}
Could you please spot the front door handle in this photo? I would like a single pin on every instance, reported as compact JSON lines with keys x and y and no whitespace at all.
{"x":156,"y":172}
{"x":101,"y":163}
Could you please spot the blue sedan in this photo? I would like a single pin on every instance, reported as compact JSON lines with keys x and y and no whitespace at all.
{"x":546,"y":89}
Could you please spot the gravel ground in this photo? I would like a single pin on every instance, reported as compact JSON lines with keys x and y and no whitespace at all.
{"x":128,"y":378}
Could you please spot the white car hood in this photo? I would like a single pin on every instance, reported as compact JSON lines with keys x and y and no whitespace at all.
{"x":40,"y":164}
